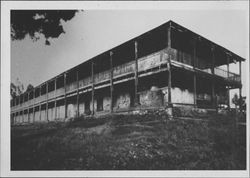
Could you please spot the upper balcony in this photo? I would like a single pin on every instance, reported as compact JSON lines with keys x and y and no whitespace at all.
{"x":181,"y":59}
{"x":189,"y":51}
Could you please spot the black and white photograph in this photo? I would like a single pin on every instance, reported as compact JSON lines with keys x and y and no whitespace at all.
{"x":125,"y":89}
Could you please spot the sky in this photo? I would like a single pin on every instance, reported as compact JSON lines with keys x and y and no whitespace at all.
{"x":92,"y":32}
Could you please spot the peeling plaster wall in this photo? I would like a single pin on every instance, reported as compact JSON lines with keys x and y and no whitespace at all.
{"x":151,"y":98}
{"x":71,"y":110}
{"x":60,"y":112}
{"x":30,"y":117}
{"x":182,"y":96}
{"x":37,"y":116}
{"x":25,"y":117}
{"x":122,"y":101}
{"x":43,"y":116}
{"x":51,"y":114}
{"x":106,"y":103}
{"x":81,"y":108}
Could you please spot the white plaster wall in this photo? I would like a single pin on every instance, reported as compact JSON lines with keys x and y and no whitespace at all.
{"x":18,"y":119}
{"x":37,"y":116}
{"x":165,"y":94}
{"x":106,"y":103}
{"x":60,"y":112}
{"x":71,"y":110}
{"x":51,"y":114}
{"x":81,"y":108}
{"x":182,"y":96}
{"x":25,"y":117}
{"x":30,"y":117}
{"x":43,"y":116}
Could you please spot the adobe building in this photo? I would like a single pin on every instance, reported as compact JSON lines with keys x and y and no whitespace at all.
{"x":169,"y":66}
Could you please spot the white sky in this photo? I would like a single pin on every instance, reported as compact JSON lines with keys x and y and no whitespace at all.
{"x":94,"y":31}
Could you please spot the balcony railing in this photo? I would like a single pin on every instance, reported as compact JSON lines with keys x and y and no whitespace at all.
{"x":124,"y":69}
{"x":228,"y":75}
{"x":148,"y":62}
{"x":204,"y":66}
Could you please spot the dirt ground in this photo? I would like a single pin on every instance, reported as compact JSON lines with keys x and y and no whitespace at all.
{"x":130,"y":142}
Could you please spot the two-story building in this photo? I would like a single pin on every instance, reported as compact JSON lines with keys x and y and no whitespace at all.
{"x":168,"y":66}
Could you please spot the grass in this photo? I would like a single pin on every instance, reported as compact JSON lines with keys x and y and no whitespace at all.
{"x":129,"y":142}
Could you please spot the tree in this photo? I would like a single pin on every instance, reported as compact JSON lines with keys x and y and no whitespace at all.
{"x":29,"y":88}
{"x":16,"y":89}
{"x":35,"y":22}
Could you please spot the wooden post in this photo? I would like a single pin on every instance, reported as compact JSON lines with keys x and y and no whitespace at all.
{"x":23,"y":116}
{"x":28,"y":113}
{"x":195,"y":92}
{"x":93,"y":88}
{"x":65,"y":99}
{"x":77,"y":95}
{"x":55,"y":99}
{"x":240,"y":89}
{"x":213,"y":59}
{"x":213,"y":83}
{"x":34,"y":104}
{"x":136,"y":73}
{"x":169,"y":35}
{"x":40,"y":105}
{"x":228,"y":91}
{"x":47,"y":103}
{"x":111,"y":81}
{"x":169,"y":68}
{"x":194,"y":66}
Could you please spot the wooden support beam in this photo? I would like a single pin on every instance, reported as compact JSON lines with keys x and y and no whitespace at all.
{"x":228,"y":60}
{"x":240,"y":89}
{"x":23,"y":116}
{"x":169,"y":35}
{"x":111,"y":81}
{"x":77,"y":95}
{"x":28,"y":106}
{"x":213,"y":94}
{"x":55,"y":99}
{"x":213,"y":59}
{"x":47,"y":104}
{"x":93,"y":88}
{"x":194,"y":53}
{"x":136,"y":74}
{"x":65,"y":98}
{"x":169,"y":68}
{"x":34,"y":105}
{"x":194,"y":79}
{"x":40,"y":105}
{"x":213,"y":82}
{"x":195,"y":92}
{"x":228,"y":90}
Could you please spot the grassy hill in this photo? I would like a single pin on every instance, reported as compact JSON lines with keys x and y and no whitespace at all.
{"x":130,"y":142}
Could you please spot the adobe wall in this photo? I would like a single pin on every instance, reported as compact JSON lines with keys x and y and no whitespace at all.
{"x":60,"y":112}
{"x":51,"y":114}
{"x":106,"y":103}
{"x":71,"y":110}
{"x":81,"y":108}
{"x":43,"y":116}
{"x":37,"y":116}
{"x":182,"y":96}
{"x":122,"y":101}
{"x":155,"y":97}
